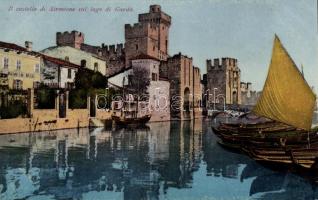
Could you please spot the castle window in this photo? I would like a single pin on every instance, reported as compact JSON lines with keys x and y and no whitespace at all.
{"x":67,"y":59}
{"x":6,"y":63}
{"x":154,"y":48}
{"x":37,"y":68}
{"x":69,"y":73}
{"x":96,"y":67}
{"x":136,"y":46}
{"x":83,"y":63}
{"x":154,"y":77}
{"x":18,"y":64}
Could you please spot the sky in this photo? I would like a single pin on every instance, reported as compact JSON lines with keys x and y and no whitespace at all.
{"x":201,"y":29}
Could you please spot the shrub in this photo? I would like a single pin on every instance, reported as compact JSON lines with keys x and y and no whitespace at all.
{"x":78,"y":99}
{"x":14,"y":109}
{"x":45,"y":98}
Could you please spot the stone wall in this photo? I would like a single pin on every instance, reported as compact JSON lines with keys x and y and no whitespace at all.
{"x":185,"y":86}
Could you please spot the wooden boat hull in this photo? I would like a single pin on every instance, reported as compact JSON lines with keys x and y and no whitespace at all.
{"x":293,"y":149}
{"x":305,"y":157}
{"x":283,"y":138}
{"x":260,"y":127}
{"x":126,"y":121}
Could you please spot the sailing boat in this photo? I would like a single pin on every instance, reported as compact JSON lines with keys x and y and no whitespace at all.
{"x":286,"y":96}
{"x":288,"y":101}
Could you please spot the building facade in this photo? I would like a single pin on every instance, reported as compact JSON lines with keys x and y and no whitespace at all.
{"x":58,"y":73}
{"x":223,"y":81}
{"x":78,"y":57}
{"x":185,"y":87}
{"x":19,"y":66}
{"x":158,"y":89}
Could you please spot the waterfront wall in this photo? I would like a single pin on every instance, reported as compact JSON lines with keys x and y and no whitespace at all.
{"x":78,"y":118}
{"x":103,"y":114}
{"x":46,"y":119}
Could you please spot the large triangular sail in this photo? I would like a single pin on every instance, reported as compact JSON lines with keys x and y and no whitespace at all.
{"x":286,"y":96}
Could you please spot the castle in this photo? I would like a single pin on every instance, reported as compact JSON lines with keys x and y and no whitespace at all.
{"x":149,"y":36}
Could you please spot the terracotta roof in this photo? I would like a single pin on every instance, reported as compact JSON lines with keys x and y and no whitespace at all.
{"x":120,"y":71}
{"x":76,"y":49}
{"x":59,"y":61}
{"x":144,"y":56}
{"x":12,"y":46}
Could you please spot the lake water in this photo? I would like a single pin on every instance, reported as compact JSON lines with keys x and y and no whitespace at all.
{"x":169,"y":161}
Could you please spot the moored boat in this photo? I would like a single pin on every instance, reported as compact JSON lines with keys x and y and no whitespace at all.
{"x":122,"y":120}
{"x":287,"y":136}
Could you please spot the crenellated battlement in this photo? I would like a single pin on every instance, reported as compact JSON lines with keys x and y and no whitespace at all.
{"x":106,"y":51}
{"x":180,"y":56}
{"x":141,"y":30}
{"x":113,"y":49}
{"x":72,"y":33}
{"x":155,"y":15}
{"x":154,"y":8}
{"x":221,"y":63}
{"x":73,"y":39}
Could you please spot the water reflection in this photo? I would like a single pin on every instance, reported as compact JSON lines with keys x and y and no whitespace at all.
{"x":177,"y":160}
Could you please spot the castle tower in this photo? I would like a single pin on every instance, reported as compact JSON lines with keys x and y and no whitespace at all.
{"x":73,"y":39}
{"x":150,"y":36}
{"x":223,"y":80}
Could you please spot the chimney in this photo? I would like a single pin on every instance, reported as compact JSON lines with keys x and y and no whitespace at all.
{"x":28,"y":45}
{"x":100,"y":53}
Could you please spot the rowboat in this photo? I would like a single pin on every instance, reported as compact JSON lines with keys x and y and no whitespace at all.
{"x":121,"y":120}
{"x":304,"y":157}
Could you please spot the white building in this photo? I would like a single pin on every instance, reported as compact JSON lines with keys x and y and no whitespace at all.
{"x":77,"y":57}
{"x":158,"y":90}
{"x":57,"y":73}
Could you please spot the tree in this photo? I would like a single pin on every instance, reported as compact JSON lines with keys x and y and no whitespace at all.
{"x":88,"y":80}
{"x":139,"y":81}
{"x":87,"y":83}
